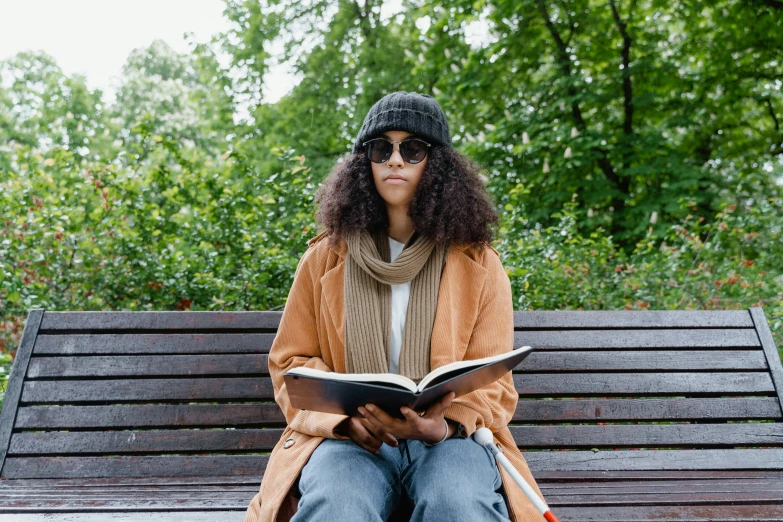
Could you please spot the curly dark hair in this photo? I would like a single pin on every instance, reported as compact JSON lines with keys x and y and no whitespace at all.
{"x":451,"y":204}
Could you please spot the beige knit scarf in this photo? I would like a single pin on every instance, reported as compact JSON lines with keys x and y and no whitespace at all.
{"x":368,"y":276}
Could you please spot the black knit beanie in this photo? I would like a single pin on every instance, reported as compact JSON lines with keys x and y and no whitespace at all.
{"x":412,"y":112}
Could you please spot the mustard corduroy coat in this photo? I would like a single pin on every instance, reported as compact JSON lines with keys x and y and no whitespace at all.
{"x":473,"y":319}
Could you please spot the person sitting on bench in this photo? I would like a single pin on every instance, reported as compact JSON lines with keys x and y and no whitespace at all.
{"x":403,"y":279}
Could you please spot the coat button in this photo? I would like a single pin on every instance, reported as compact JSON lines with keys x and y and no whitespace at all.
{"x":287,"y":444}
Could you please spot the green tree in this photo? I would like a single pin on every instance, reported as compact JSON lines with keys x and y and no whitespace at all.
{"x":631,"y":105}
{"x":42,"y":107}
{"x":181,"y":96}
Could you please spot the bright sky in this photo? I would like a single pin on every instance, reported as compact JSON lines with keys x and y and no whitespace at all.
{"x":95,"y":37}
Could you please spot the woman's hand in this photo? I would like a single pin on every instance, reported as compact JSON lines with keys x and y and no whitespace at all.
{"x":359,"y":430}
{"x":427,"y":427}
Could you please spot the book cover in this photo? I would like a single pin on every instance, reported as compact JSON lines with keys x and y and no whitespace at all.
{"x":343,"y":393}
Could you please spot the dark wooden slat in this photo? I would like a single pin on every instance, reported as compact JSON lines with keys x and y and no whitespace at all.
{"x":164,"y":320}
{"x":149,"y":343}
{"x":692,"y":459}
{"x":539,"y":461}
{"x":669,"y":498}
{"x":13,"y":389}
{"x":531,"y":385}
{"x":159,"y":490}
{"x":171,"y":365}
{"x":233,"y":497}
{"x":75,"y":344}
{"x":553,"y":478}
{"x":169,"y":516}
{"x":601,"y":489}
{"x":159,"y":415}
{"x":164,"y":486}
{"x":770,"y":350}
{"x":663,"y":492}
{"x":635,"y":339}
{"x":719,"y":513}
{"x":563,"y":506}
{"x":228,"y":364}
{"x":139,"y":416}
{"x":180,"y":441}
{"x":128,"y":500}
{"x":605,"y":319}
{"x":604,"y":384}
{"x":643,"y":409}
{"x":522,"y":319}
{"x":260,"y":342}
{"x":545,"y":479}
{"x":148,"y":389}
{"x":588,"y":361}
{"x":644,"y":435}
{"x":148,"y":365}
{"x":148,"y":441}
{"x":134,"y":466}
{"x":183,"y":343}
{"x":123,"y":483}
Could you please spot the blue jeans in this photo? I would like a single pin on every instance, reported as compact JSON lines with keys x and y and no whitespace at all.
{"x":457,"y":480}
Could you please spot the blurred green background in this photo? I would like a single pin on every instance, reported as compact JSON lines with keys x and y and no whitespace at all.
{"x":634,"y":150}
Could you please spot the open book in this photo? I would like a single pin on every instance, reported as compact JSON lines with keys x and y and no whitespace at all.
{"x":331,"y":392}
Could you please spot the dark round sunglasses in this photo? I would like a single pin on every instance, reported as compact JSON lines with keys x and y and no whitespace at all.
{"x":412,"y":150}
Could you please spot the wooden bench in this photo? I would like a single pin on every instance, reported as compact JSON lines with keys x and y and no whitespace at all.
{"x":169,"y":415}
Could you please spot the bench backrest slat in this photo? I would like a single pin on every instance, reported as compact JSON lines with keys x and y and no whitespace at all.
{"x":147,"y":394}
{"x":269,"y":415}
{"x":153,"y":343}
{"x":635,"y":339}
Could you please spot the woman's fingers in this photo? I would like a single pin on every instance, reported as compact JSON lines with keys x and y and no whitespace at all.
{"x":380,"y":434}
{"x":378,"y":416}
{"x":364,"y":438}
{"x":376,"y":419}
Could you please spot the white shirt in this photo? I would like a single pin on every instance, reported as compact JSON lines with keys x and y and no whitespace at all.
{"x":399,"y":308}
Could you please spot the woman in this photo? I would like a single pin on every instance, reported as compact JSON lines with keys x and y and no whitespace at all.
{"x":403,"y":279}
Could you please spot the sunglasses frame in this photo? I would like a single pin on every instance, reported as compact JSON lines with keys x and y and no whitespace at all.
{"x":399,"y":143}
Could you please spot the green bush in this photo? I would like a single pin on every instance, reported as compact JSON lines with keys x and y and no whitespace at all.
{"x":731,"y":262}
{"x":189,"y":234}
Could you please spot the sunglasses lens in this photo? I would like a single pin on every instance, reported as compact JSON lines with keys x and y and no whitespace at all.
{"x":413,"y":151}
{"x":380,"y":151}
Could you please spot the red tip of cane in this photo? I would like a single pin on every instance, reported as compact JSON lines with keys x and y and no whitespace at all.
{"x":550,"y":517}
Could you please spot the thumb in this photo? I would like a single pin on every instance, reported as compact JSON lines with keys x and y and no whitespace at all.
{"x":439,"y":407}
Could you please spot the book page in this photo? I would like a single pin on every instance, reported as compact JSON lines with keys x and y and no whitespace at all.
{"x":373,"y":378}
{"x":461,"y":365}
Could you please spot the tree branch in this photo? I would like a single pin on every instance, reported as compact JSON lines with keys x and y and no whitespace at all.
{"x":772,"y":113}
{"x":363,"y":17}
{"x":576,"y":111}
{"x":627,"y":87}
{"x":571,"y":22}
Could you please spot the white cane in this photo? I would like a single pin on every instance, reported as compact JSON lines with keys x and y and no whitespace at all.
{"x":483,"y":437}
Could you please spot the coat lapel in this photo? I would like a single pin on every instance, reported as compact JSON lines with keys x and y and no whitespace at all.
{"x":332,"y":284}
{"x":459,"y":297}
{"x":458,"y":302}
